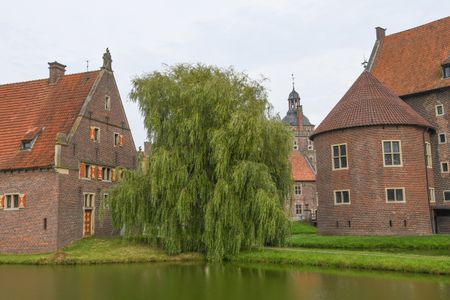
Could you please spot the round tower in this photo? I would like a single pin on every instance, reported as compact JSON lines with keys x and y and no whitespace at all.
{"x":374,"y":170}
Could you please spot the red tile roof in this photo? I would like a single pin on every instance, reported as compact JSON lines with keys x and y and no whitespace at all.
{"x":368,"y":102}
{"x":301,"y":169}
{"x":410,"y":61}
{"x":35,"y":107}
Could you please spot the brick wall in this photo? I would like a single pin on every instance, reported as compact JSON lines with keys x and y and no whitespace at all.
{"x":308,"y":196}
{"x":22,"y":231}
{"x":425,"y":104}
{"x":367,"y":178}
{"x":82,"y":149}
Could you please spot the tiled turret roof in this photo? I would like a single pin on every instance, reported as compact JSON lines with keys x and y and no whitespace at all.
{"x":368,"y":102}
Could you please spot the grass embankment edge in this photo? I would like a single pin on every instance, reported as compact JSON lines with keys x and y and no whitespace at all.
{"x":358,"y":260}
{"x":100,"y":251}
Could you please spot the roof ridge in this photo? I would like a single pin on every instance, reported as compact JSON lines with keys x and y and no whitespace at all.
{"x":416,"y":27}
{"x":41,"y":79}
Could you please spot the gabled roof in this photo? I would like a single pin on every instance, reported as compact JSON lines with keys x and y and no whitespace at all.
{"x":36,"y":109}
{"x":368,"y":102}
{"x":300,"y":168}
{"x":410,"y":61}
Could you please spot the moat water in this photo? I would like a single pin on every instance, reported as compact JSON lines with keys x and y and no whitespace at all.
{"x":202,"y":281}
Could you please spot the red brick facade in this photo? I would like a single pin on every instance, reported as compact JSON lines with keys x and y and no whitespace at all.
{"x":412,"y":64}
{"x":367,"y":178}
{"x":54,"y":212}
{"x":374,"y":172}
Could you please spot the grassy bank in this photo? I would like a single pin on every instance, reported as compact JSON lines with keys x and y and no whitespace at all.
{"x":341,"y":259}
{"x":384,"y":243}
{"x":428,"y":254}
{"x":99,"y":251}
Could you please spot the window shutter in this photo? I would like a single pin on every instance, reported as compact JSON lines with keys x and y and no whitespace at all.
{"x":2,"y":201}
{"x":82,"y":170}
{"x":120,"y":139}
{"x":22,"y":200}
{"x":113,"y":175}
{"x":91,"y":133}
{"x":99,"y":173}
{"x":93,"y":172}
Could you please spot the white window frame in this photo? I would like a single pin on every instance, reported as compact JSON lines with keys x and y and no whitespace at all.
{"x":395,"y":194}
{"x":442,"y":167}
{"x":96,"y":138}
{"x":392,"y":153}
{"x":436,"y":110}
{"x":432,"y":196}
{"x":107,"y":103}
{"x":339,"y":156}
{"x":311,"y":146}
{"x":297,"y":186}
{"x":116,"y":135}
{"x":443,"y":195}
{"x":298,"y":205}
{"x":87,"y":172}
{"x":295,"y":147}
{"x":342,"y":194}
{"x":445,"y":138}
{"x":428,"y":156}
{"x":5,"y":207}
{"x":106,"y":171}
{"x":93,"y":200}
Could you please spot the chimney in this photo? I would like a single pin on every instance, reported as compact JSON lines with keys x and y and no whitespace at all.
{"x":381,"y":33}
{"x":147,"y":148}
{"x":300,"y":117}
{"x":57,"y":70}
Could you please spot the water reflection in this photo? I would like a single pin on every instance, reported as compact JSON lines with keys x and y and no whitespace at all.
{"x":201,"y":281}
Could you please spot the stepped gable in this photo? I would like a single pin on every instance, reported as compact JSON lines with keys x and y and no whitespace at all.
{"x":368,"y":102}
{"x":410,"y":61}
{"x":39,"y":109}
{"x":300,"y":168}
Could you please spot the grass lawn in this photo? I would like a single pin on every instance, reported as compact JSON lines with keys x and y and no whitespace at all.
{"x":298,"y":227}
{"x":436,"y":243}
{"x":344,"y":259}
{"x":98,"y":251}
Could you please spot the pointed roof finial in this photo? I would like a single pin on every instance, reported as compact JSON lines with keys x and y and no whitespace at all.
{"x":293,"y":82}
{"x":107,"y":61}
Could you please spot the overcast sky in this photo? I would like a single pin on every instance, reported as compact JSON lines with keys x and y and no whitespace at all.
{"x":322,"y":42}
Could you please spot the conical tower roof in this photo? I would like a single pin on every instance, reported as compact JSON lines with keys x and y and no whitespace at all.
{"x":368,"y":102}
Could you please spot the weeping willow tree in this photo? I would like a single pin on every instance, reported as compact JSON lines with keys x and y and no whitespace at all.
{"x":218,"y":174}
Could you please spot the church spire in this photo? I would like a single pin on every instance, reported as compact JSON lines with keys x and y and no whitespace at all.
{"x":294,"y":97}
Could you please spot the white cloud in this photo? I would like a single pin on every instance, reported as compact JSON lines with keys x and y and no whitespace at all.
{"x":322,"y":42}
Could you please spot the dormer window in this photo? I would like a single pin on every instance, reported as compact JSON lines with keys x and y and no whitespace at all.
{"x":30,"y":138}
{"x":446,"y":71}
{"x":26,"y":145}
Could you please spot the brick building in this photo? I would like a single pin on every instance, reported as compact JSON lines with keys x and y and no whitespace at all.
{"x":64,"y":141}
{"x":303,"y":205}
{"x":301,"y":127}
{"x":374,"y":164}
{"x":303,"y":201}
{"x":415,"y":64}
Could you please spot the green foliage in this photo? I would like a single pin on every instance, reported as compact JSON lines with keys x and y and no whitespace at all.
{"x":218,"y":175}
